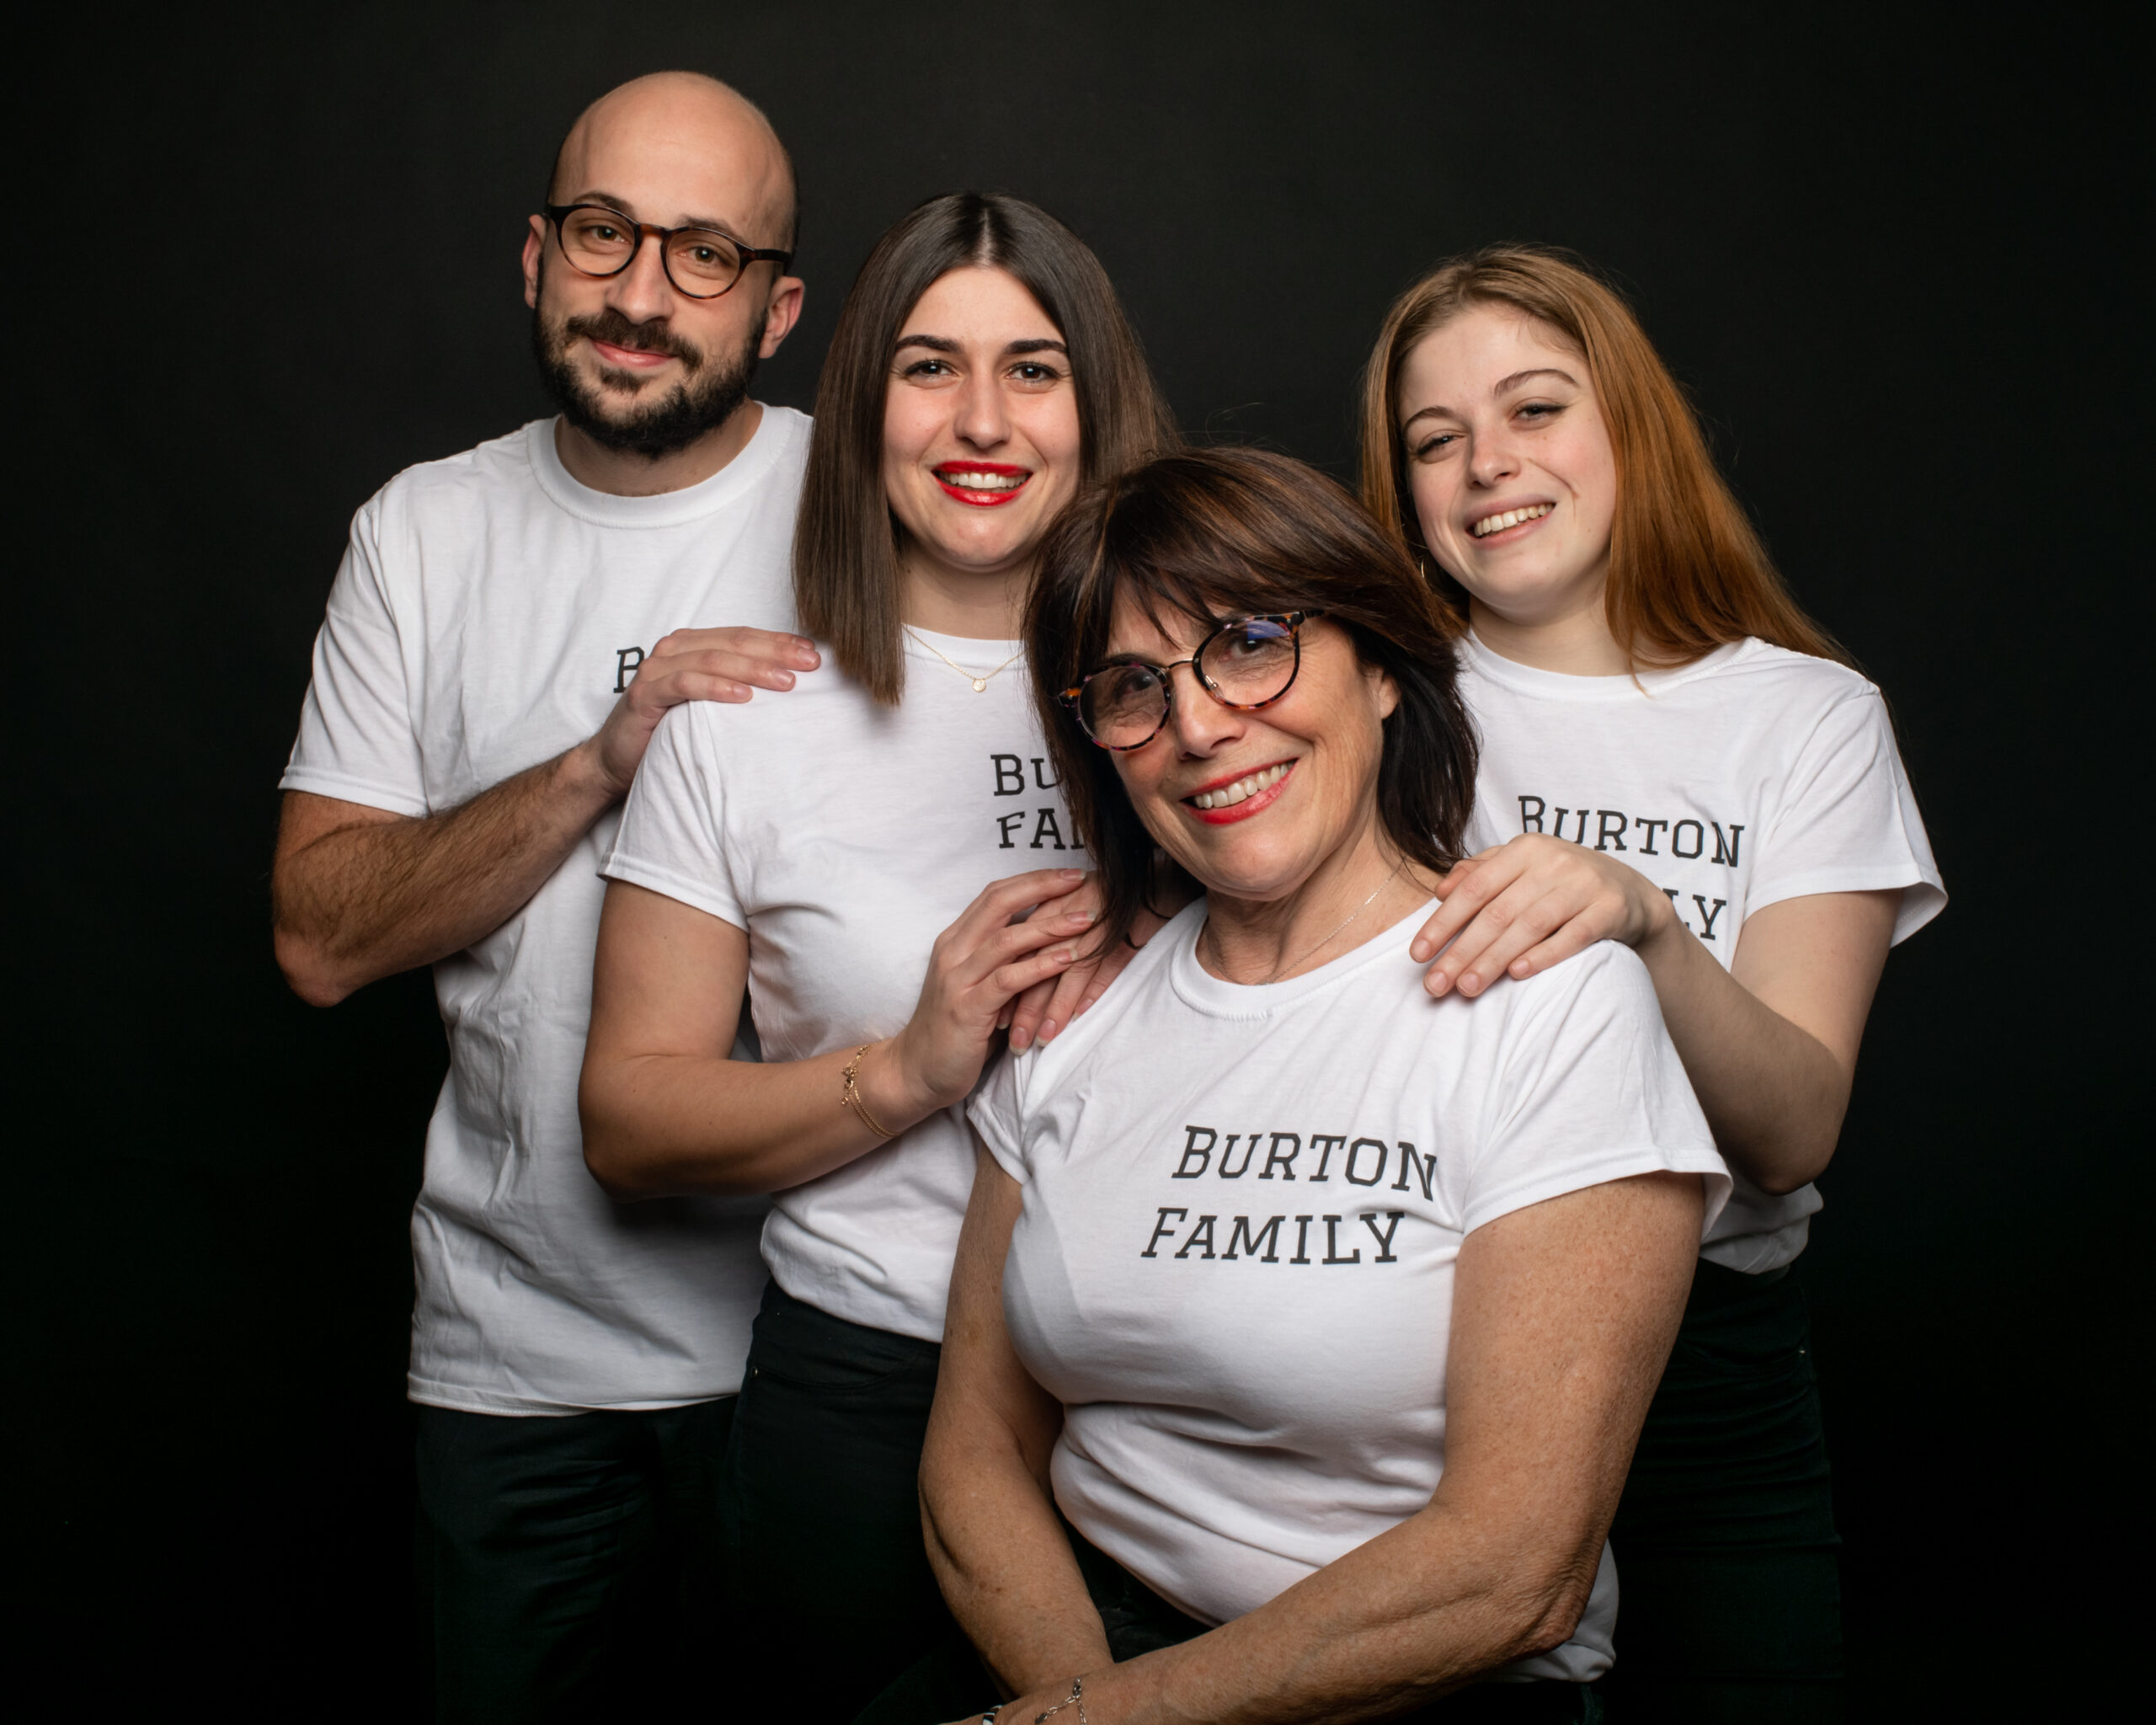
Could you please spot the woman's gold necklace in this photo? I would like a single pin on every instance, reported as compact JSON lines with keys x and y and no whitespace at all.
{"x":978,"y":679}
{"x":1284,"y":969}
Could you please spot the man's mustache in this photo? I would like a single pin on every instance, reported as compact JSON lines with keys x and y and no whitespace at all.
{"x":651,"y":336}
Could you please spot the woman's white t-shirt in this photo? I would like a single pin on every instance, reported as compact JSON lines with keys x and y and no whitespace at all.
{"x":1242,"y":1209}
{"x":1748,"y":776}
{"x":843,"y":837}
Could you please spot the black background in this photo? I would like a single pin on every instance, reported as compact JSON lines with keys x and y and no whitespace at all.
{"x":1887,"y":251}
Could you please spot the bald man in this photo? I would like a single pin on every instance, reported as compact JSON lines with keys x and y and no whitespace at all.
{"x":505,"y":631}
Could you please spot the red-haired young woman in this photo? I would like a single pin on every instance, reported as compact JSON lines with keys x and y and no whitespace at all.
{"x":1675,"y":757}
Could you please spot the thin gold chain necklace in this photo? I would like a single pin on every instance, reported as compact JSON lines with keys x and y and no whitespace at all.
{"x":1284,"y":969}
{"x":978,"y":679}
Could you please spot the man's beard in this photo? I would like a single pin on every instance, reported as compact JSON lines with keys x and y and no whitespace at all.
{"x":701,"y":402}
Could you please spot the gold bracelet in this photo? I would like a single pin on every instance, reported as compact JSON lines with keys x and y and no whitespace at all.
{"x":850,"y":1095}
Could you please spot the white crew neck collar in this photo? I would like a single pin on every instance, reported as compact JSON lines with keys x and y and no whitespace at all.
{"x":668,"y":509}
{"x":1199,"y":988}
{"x":1477,"y":655}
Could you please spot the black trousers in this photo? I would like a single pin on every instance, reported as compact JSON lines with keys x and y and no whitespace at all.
{"x":951,"y":1683}
{"x":570,"y":1568}
{"x":821,"y":1507}
{"x":1730,"y":1594}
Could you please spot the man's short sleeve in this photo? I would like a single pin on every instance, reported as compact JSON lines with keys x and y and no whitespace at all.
{"x":357,"y":741}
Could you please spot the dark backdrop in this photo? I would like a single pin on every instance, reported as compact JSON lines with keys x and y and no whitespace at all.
{"x":280,"y":265}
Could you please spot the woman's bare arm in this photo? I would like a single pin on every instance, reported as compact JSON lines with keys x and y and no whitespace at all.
{"x":666,"y":1109}
{"x":1563,"y":1316}
{"x":994,"y":1538}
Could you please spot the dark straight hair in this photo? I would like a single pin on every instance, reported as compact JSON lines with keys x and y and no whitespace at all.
{"x":1220,"y":533}
{"x":846,"y":548}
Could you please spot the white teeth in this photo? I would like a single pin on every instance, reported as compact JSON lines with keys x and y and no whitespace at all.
{"x":1510,"y":518}
{"x":1242,"y":789}
{"x":968,"y":480}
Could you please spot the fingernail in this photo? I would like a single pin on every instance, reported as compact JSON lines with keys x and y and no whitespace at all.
{"x":1072,"y":874}
{"x":1063,"y":955}
{"x":1078,"y":919}
{"x":785,"y":678}
{"x":1419,"y":951}
{"x":1018,"y":1041}
{"x":1048,"y":1029}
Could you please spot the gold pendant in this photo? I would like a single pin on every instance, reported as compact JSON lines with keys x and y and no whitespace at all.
{"x":981,"y":685}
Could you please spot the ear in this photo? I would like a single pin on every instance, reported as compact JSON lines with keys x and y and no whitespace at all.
{"x":1386,"y":690}
{"x":535,"y":246}
{"x":781,"y":312}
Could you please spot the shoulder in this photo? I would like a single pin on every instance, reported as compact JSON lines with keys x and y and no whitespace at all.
{"x":1607,"y":983}
{"x":499,"y":464}
{"x":790,"y":429}
{"x":1797,"y":680}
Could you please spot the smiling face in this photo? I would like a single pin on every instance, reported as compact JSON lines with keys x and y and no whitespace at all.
{"x":981,"y":444}
{"x":1253,"y":804}
{"x":1510,"y":465}
{"x":635,"y":363}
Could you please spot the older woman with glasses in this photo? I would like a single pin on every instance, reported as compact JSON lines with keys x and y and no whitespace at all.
{"x":1302,"y":1323}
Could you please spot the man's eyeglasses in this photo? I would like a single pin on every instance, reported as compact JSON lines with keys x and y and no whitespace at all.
{"x":701,"y":262}
{"x":1247,"y":663}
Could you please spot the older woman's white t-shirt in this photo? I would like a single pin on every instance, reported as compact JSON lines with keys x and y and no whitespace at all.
{"x":1242,"y":1209}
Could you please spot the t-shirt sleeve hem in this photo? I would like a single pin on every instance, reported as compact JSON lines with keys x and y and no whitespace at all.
{"x":1922,"y":897}
{"x":316,"y":783}
{"x":998,"y":1134}
{"x":698,"y":895}
{"x":1616,"y":1165}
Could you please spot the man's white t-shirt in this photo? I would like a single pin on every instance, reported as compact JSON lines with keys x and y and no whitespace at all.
{"x":1242,"y":1211}
{"x":843,"y":837}
{"x":488,"y":613}
{"x":1748,"y":776}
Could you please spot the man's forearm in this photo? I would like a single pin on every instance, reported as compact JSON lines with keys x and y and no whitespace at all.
{"x":359,"y":899}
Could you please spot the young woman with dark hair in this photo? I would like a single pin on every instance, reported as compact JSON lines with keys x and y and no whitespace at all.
{"x":1676,"y":758}
{"x":981,"y":371}
{"x":1302,"y":1323}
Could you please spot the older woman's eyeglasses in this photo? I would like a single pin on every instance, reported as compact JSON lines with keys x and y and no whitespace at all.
{"x":1247,"y":663}
{"x":701,"y":262}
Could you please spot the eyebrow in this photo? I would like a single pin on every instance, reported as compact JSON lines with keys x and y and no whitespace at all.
{"x":944,"y":345}
{"x":625,"y":207}
{"x":1497,"y":388}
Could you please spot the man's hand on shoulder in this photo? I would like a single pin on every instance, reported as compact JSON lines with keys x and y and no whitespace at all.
{"x":691,"y":665}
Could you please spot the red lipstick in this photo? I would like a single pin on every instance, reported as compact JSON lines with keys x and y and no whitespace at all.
{"x":1257,"y":804}
{"x":982,"y":500}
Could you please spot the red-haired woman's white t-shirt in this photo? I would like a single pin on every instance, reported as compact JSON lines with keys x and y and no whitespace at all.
{"x":1749,"y":776}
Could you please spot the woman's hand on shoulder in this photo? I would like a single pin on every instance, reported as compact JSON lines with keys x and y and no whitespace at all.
{"x":1529,"y":904}
{"x":1047,"y":1008}
{"x":978,"y":966}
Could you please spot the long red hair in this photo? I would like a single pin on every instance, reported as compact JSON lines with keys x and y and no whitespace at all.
{"x":1688,"y":572}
